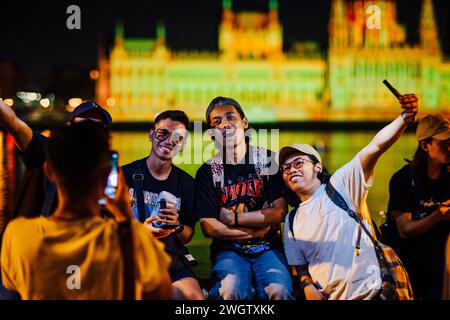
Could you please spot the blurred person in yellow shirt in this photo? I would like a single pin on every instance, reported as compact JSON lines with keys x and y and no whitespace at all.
{"x":76,"y":253}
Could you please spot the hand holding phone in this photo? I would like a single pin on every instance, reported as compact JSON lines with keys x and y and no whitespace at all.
{"x":165,"y":211}
{"x":392,"y":89}
{"x":409,"y":102}
{"x":157,"y":232}
{"x":113,"y":178}
{"x":168,"y":216}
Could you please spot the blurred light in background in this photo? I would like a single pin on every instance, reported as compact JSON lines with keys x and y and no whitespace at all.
{"x":28,"y":97}
{"x":75,"y":102}
{"x":45,"y":102}
{"x":110,"y":102}
{"x":46,"y":133}
{"x":9,"y":102}
{"x":94,"y":74}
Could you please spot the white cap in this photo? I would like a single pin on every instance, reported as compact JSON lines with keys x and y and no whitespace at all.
{"x":288,"y":151}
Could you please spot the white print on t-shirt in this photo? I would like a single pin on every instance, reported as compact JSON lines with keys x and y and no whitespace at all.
{"x":151,"y":198}
{"x":151,"y":202}
{"x":374,"y":280}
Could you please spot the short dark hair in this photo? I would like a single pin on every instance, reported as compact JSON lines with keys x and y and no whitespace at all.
{"x":174,"y":115}
{"x":76,"y":153}
{"x":324,"y":176}
{"x":218,"y":101}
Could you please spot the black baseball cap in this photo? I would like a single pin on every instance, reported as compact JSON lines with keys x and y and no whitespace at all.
{"x":221,"y":101}
{"x":90,"y":106}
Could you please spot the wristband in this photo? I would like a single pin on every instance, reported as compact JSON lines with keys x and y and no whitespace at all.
{"x":403,"y":114}
{"x":306,"y":283}
{"x":180,"y":228}
{"x":236,"y":219}
{"x":408,"y":121}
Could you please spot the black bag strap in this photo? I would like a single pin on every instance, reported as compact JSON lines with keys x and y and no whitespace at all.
{"x":127,"y":252}
{"x":49,"y":199}
{"x":291,"y":217}
{"x":138,"y":179}
{"x":339,"y":201}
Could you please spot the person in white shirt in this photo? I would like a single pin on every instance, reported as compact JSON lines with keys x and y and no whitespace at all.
{"x":322,"y":241}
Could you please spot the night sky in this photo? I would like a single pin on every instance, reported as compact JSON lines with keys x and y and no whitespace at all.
{"x":34,"y":33}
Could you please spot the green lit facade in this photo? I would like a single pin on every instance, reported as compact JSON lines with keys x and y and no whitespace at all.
{"x":142,"y":77}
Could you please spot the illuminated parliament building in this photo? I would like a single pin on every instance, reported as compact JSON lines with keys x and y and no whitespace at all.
{"x":142,"y":76}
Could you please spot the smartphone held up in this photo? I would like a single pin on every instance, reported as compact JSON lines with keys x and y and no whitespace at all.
{"x":113,"y":179}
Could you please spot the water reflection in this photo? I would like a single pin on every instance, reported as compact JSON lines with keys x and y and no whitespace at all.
{"x":8,"y":177}
{"x":2,"y":183}
{"x":339,"y":148}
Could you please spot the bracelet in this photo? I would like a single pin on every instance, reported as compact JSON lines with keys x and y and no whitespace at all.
{"x":403,"y":115}
{"x":306,"y":283}
{"x":180,"y":228}
{"x":408,"y":121}
{"x":236,"y":218}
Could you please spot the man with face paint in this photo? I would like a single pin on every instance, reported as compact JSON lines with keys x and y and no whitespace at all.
{"x":162,"y":197}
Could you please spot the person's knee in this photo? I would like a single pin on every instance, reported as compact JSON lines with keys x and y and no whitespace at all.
{"x":276,"y":291}
{"x":189,"y":288}
{"x":194,"y":294}
{"x":232,"y":288}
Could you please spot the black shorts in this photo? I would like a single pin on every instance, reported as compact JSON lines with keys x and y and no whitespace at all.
{"x":182,"y":273}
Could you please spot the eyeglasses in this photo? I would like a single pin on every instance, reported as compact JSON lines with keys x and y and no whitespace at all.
{"x":163,"y":134}
{"x":297,"y":164}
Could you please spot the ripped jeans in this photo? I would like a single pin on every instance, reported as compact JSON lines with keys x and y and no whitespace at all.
{"x":233,"y":276}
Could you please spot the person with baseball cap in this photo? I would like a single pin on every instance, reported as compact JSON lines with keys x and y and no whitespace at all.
{"x":240,"y":204}
{"x":419,"y":206}
{"x":36,"y":195}
{"x":333,"y":257}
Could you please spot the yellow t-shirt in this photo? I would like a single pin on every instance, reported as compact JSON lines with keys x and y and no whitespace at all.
{"x":446,"y":294}
{"x":43,"y":258}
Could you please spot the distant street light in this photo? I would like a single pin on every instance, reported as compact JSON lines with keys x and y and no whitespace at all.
{"x":94,"y":74}
{"x":75,"y":102}
{"x":45,"y":102}
{"x":9,"y":102}
{"x":110,"y":102}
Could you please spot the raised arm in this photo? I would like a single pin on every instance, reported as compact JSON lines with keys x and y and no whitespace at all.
{"x":21,"y":132}
{"x":385,"y":138}
{"x":215,"y":229}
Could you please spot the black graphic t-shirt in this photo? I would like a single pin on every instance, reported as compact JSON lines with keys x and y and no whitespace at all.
{"x":179,"y":187}
{"x":243,"y":191}
{"x":423,"y":254}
